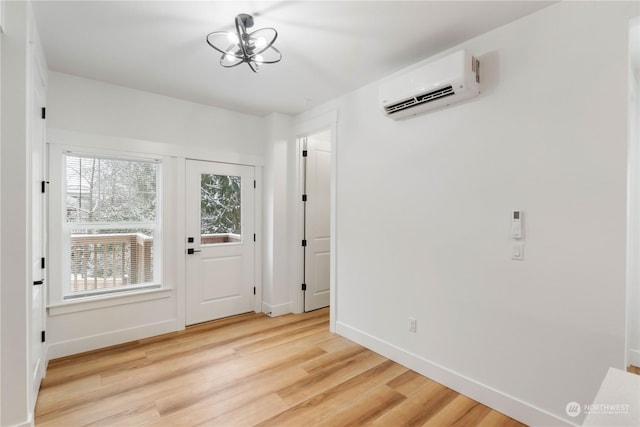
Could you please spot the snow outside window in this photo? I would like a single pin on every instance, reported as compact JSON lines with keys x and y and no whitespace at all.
{"x":111,"y":225}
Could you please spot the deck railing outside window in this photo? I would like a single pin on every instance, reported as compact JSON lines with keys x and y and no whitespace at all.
{"x":110,"y":260}
{"x":217,"y":238}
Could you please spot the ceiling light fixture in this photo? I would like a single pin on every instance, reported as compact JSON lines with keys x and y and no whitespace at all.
{"x":255,"y":48}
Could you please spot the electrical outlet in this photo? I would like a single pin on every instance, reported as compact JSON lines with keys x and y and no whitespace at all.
{"x":413,"y":324}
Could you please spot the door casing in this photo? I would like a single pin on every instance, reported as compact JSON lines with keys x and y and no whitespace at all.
{"x":317,"y":233}
{"x":328,"y":120}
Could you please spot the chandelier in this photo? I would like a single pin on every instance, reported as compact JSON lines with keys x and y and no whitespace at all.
{"x":255,"y":48}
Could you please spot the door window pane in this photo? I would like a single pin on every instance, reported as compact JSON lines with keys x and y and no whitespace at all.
{"x":220,"y":209}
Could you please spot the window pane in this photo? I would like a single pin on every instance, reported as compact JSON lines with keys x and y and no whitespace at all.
{"x":111,"y":224}
{"x":110,"y":258}
{"x":220,"y":209}
{"x":110,"y":190}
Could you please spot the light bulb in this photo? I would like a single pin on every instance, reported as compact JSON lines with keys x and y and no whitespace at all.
{"x":260,"y":42}
{"x":258,"y":58}
{"x":233,"y":38}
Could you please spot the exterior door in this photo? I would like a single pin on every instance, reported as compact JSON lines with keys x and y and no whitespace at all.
{"x":317,"y":221}
{"x":220,"y":240}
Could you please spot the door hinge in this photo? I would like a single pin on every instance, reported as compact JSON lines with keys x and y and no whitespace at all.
{"x":43,"y":336}
{"x":304,"y":197}
{"x":304,"y":243}
{"x":38,"y":283}
{"x":254,"y":183}
{"x":254,"y":290}
{"x":43,"y":186}
{"x":43,"y":113}
{"x":42,"y":263}
{"x":304,"y":286}
{"x":304,"y":153}
{"x":254,"y":237}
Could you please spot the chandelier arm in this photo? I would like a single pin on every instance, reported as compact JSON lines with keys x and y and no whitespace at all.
{"x":267,"y":46}
{"x":229,"y":66}
{"x":253,"y":67}
{"x":212,"y":45}
{"x":272,"y":61}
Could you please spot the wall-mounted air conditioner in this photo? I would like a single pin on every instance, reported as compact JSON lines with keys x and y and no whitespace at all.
{"x":448,"y":80}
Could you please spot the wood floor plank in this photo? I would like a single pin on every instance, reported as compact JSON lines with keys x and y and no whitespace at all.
{"x":249,"y":370}
{"x":250,"y":414}
{"x":333,"y":360}
{"x":222,"y":404}
{"x":283,"y":336}
{"x":424,"y":403}
{"x":460,"y":412}
{"x":131,"y":417}
{"x":362,"y":411}
{"x":242,"y":372}
{"x":84,"y":367}
{"x":225,"y":402}
{"x":408,"y":383}
{"x":314,"y":409}
{"x":71,"y":390}
{"x":496,"y":419}
{"x":320,"y":381}
{"x":148,"y":381}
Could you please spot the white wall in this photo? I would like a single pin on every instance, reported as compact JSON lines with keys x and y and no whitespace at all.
{"x":423,"y":218}
{"x":89,"y":106}
{"x":277,"y":218}
{"x":104,"y":116}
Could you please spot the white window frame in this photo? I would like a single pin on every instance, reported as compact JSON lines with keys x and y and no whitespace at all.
{"x":58,"y":258}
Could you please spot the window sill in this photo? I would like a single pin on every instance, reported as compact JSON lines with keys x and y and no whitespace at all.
{"x":102,"y":301}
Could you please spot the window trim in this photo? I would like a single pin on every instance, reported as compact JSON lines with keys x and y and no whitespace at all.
{"x":60,"y":301}
{"x":108,"y":300}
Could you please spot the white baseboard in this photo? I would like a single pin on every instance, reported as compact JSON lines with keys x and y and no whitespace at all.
{"x":26,"y":423}
{"x":93,"y":342}
{"x":276,"y":310}
{"x":484,"y":394}
{"x":634,"y":357}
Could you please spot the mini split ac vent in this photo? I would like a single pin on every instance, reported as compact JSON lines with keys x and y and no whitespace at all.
{"x":440,"y":83}
{"x":420,"y":99}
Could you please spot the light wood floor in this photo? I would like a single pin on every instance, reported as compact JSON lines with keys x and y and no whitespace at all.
{"x":249,"y":370}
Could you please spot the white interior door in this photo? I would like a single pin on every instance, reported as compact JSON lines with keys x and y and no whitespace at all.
{"x":317,"y":221}
{"x":220,"y":240}
{"x":38,"y":234}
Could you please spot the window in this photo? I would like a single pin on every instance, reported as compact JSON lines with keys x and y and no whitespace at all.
{"x":110,"y":225}
{"x":220,"y":209}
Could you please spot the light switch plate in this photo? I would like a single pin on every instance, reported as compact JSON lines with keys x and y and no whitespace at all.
{"x":517,"y":251}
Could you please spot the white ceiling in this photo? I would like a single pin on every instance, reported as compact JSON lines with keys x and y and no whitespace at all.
{"x":329,"y":47}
